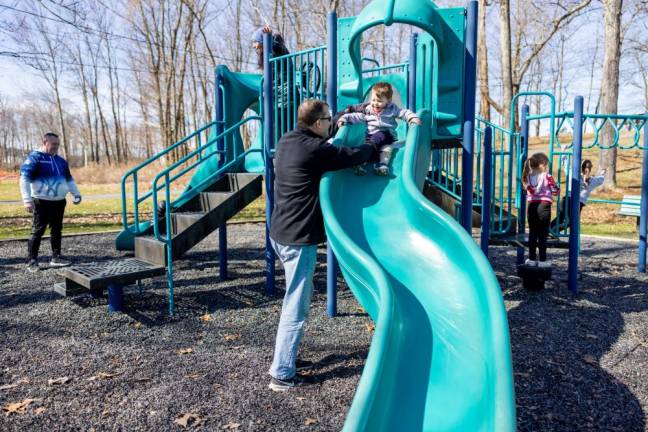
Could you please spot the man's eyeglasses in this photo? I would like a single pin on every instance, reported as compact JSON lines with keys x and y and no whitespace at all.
{"x":325,"y":118}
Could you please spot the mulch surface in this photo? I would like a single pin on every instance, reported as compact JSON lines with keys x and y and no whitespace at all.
{"x":580,"y":363}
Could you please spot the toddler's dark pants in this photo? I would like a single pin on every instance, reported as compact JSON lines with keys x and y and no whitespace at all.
{"x":380,"y":140}
{"x":539,"y":216}
{"x":46,"y":213}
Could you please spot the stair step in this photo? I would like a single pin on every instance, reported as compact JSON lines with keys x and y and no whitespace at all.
{"x":182,"y":221}
{"x":99,"y":275}
{"x":202,"y":215}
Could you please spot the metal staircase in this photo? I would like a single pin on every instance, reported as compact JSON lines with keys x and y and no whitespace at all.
{"x":214,"y":195}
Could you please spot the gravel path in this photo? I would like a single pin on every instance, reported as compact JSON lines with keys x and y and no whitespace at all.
{"x":580,"y":363}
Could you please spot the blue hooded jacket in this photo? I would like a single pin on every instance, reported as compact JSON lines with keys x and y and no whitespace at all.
{"x":47,"y":177}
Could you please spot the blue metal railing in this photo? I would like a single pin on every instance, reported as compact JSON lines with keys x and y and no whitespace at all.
{"x":297,"y":76}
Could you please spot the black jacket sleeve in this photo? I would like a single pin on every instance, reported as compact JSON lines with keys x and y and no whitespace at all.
{"x":332,"y":158}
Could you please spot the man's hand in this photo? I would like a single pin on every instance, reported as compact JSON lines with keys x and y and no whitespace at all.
{"x":603,"y":171}
{"x":416,"y":121}
{"x":77,"y":200}
{"x":29,"y":206}
{"x":341,"y":123}
{"x":266,"y":29}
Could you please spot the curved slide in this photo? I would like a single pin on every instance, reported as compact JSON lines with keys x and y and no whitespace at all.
{"x":440,"y":356}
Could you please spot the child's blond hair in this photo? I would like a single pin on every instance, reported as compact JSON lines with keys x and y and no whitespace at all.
{"x":383,"y":90}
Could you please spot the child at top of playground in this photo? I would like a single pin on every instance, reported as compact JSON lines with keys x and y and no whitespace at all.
{"x":540,"y":188}
{"x":380,"y":114}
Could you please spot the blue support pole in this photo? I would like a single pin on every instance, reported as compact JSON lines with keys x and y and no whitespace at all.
{"x":524,"y":154}
{"x":220,"y":145}
{"x":411,"y":85}
{"x":470,"y":83}
{"x":643,"y":218}
{"x":574,"y":199}
{"x":331,"y":99}
{"x":115,"y":298}
{"x":268,"y":137}
{"x":486,"y":187}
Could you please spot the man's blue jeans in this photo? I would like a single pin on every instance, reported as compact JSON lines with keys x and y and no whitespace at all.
{"x":299,"y":267}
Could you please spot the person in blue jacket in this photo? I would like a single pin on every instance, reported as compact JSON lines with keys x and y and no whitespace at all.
{"x":45,"y":180}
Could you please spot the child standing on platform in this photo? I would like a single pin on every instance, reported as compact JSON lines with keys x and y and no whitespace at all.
{"x":540,"y":188}
{"x":381,"y":114}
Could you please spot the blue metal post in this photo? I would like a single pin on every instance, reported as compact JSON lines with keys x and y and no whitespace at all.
{"x":470,"y":83}
{"x":220,"y":145}
{"x":268,"y":137}
{"x":115,"y":298}
{"x":643,"y":218}
{"x":411,"y":85}
{"x":486,"y":188}
{"x":331,"y":99}
{"x":574,"y":199}
{"x":524,"y":154}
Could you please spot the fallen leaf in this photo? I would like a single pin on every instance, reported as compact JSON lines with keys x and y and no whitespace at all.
{"x":184,"y":351}
{"x":206,"y":318}
{"x":17,"y":407}
{"x":61,"y":380}
{"x":136,"y":325}
{"x":102,"y":375}
{"x":370,"y":327}
{"x":310,"y":421}
{"x":231,"y":337}
{"x":232,"y":426}
{"x":188,"y":420}
{"x":105,"y":413}
{"x":589,"y":358}
{"x":14,"y":385}
{"x":300,"y":398}
{"x":40,"y":410}
{"x":360,"y":310}
{"x":194,"y":376}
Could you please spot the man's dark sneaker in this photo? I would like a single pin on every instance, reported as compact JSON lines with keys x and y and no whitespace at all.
{"x":59,"y":262}
{"x":303,"y":365}
{"x":287,"y":384}
{"x":33,"y":266}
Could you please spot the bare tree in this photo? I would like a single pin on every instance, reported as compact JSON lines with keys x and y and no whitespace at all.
{"x":612,"y":10}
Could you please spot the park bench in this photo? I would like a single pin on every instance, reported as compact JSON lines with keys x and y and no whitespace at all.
{"x":631,"y":206}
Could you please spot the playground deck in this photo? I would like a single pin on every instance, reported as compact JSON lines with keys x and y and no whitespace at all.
{"x":579,"y":364}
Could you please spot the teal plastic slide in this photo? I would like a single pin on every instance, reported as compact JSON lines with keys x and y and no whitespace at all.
{"x":440,"y":355}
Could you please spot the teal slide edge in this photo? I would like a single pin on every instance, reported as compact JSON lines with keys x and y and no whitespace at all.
{"x":440,"y":354}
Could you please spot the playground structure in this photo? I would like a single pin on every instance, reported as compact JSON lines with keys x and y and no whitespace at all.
{"x":440,"y":356}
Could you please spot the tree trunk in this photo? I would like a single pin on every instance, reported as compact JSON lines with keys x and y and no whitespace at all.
{"x":482,"y":61}
{"x":612,"y":10}
{"x":505,"y":48}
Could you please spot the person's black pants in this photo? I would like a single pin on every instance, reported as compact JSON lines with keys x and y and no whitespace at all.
{"x":46,"y":213}
{"x":539,"y":216}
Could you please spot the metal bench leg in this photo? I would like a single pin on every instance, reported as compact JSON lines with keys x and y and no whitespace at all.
{"x":115,"y":298}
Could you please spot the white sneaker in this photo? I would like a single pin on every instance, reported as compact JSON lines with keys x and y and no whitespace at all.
{"x":531,"y":263}
{"x":544,"y":264}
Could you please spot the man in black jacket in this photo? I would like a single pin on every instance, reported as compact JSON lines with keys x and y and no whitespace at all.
{"x":297,"y":226}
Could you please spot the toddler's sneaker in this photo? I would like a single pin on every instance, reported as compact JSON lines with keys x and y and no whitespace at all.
{"x":531,"y":263}
{"x":360,"y":170}
{"x":381,"y":169}
{"x":59,"y":262}
{"x":544,"y":264}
